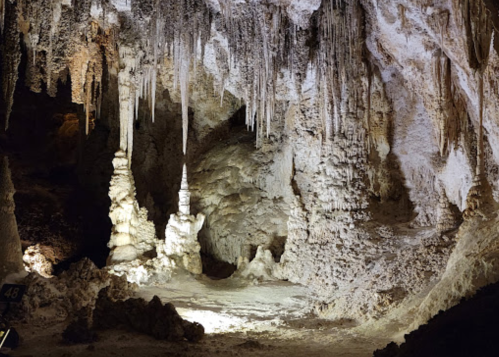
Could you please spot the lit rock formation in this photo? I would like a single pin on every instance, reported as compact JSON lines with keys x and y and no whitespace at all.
{"x":11,"y":256}
{"x":37,"y":260}
{"x":181,"y":242}
{"x":260,"y":268}
{"x":132,"y":234}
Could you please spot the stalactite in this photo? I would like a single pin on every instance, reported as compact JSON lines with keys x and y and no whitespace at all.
{"x":128,"y":63}
{"x":337,"y":54}
{"x":183,"y":69}
{"x":479,"y":200}
{"x":442,"y":79}
{"x":11,"y":49}
{"x":480,"y":166}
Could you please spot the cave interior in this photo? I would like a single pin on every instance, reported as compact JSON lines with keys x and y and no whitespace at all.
{"x":249,"y":178}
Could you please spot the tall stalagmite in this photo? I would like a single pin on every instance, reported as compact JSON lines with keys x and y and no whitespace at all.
{"x":11,"y":256}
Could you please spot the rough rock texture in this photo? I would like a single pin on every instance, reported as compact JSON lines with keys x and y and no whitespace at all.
{"x":39,"y":259}
{"x":49,"y":301}
{"x":245,"y":205}
{"x":132,"y":234}
{"x":11,"y":260}
{"x":153,"y":318}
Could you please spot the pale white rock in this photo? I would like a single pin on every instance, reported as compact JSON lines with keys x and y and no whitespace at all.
{"x":181,"y":234}
{"x":36,"y":261}
{"x":132,"y":234}
{"x":260,"y":268}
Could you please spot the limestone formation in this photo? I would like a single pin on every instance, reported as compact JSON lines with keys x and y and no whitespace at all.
{"x":181,"y":235}
{"x":11,"y":256}
{"x":373,"y":124}
{"x":37,"y":259}
{"x":132,"y":234}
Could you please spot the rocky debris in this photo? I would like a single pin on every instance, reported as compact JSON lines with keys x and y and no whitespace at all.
{"x":152,"y":318}
{"x":40,"y":259}
{"x":467,"y":329}
{"x":61,"y":297}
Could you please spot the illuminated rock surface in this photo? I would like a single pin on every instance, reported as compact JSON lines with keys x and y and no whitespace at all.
{"x":181,"y":236}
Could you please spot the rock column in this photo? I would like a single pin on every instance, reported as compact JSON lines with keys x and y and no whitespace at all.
{"x":11,"y":256}
{"x":181,"y":233}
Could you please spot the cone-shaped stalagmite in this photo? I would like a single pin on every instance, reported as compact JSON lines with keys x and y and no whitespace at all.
{"x":11,"y":258}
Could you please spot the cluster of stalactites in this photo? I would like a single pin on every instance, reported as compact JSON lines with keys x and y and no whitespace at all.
{"x":170,"y":34}
{"x":338,"y":62}
{"x":262,"y":43}
{"x":478,"y":25}
{"x":54,"y":49}
{"x":450,"y":114}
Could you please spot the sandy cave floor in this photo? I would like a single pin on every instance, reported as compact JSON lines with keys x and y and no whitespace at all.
{"x":241,"y":319}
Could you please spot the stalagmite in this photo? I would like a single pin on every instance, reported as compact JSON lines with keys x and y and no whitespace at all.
{"x":181,"y":243}
{"x":11,"y":256}
{"x":132,"y":234}
{"x":446,"y":219}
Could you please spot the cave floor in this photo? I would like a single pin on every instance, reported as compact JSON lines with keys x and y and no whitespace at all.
{"x":241,"y":318}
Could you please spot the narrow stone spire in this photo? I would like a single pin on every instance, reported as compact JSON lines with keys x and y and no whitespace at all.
{"x":181,"y":234}
{"x":184,"y":196}
{"x":11,"y":255}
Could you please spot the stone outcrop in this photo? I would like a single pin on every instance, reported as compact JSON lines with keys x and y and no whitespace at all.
{"x":11,"y":260}
{"x":152,"y":318}
{"x":63,"y":297}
